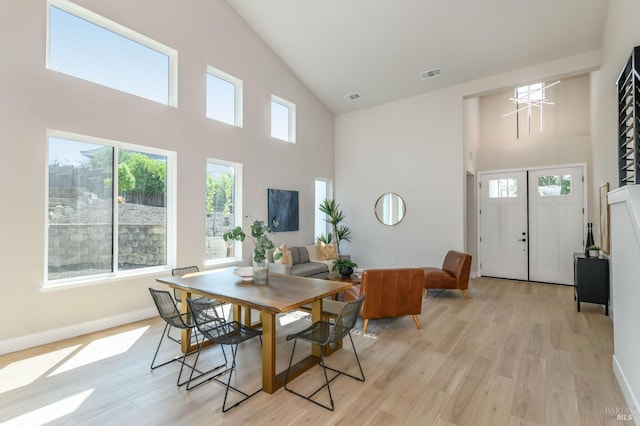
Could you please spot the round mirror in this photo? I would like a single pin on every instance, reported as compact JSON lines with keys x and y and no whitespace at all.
{"x":390,"y":209}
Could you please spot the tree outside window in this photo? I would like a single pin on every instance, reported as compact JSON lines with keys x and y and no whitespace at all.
{"x":82,"y":230}
{"x":220,"y":204}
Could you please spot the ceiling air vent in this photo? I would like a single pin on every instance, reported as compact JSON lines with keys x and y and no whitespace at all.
{"x":352,"y":97}
{"x":436,"y":72}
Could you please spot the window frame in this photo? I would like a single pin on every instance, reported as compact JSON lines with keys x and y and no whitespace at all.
{"x":171,"y":236}
{"x":123,"y":31}
{"x":238,"y":95}
{"x":507,"y":182}
{"x":291,"y":107}
{"x":561,"y":178}
{"x":319,"y":218}
{"x":237,"y":213}
{"x":532,"y":93}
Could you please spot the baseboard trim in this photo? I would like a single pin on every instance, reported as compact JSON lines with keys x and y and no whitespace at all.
{"x":49,"y":336}
{"x":629,"y":396}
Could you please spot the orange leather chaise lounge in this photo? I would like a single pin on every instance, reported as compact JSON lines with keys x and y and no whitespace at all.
{"x":454,"y":273}
{"x":390,"y":293}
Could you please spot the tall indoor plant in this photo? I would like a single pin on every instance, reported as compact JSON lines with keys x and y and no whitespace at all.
{"x":335,"y":218}
{"x":261,"y":243}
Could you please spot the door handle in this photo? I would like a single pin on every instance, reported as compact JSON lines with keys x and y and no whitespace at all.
{"x":522,"y":239}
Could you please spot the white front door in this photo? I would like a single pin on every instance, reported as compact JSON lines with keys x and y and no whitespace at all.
{"x":556,"y":223}
{"x":503,"y":225}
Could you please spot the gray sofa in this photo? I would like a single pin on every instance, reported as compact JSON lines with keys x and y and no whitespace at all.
{"x":305,"y":263}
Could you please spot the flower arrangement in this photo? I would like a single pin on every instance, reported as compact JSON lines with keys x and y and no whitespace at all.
{"x":261,"y":242}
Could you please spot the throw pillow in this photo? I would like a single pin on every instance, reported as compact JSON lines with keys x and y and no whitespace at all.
{"x":313,"y":253}
{"x":327,"y":251}
{"x":282,"y":255}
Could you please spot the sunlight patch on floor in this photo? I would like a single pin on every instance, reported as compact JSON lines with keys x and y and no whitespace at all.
{"x":26,"y":371}
{"x":101,"y":349}
{"x":50,"y":412}
{"x":290,"y":317}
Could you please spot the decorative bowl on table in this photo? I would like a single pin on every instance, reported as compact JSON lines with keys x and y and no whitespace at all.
{"x":245,"y":272}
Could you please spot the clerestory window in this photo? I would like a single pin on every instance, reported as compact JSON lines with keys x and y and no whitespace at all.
{"x":224,"y":97}
{"x":283,"y":119}
{"x":86,"y":45}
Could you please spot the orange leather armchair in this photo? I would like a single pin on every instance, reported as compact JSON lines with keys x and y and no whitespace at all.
{"x":454,"y":273}
{"x":390,"y":293}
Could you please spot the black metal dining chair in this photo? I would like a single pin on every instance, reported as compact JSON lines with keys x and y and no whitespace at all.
{"x":178,"y":272}
{"x":177,"y":294}
{"x":173,"y":318}
{"x":230,"y":333}
{"x":325,"y":333}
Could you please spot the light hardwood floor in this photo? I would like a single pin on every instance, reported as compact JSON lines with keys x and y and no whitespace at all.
{"x":514,"y":353}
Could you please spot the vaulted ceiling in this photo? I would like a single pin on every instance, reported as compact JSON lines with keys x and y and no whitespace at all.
{"x":378,"y":48}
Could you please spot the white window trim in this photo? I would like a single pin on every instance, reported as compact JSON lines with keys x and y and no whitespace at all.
{"x":291,"y":107}
{"x":171,"y":186}
{"x":238,"y":93}
{"x":117,"y":28}
{"x":316,"y":213}
{"x":237,"y":216}
{"x":532,"y":93}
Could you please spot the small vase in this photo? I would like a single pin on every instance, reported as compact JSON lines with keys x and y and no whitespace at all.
{"x":594,"y":253}
{"x":261,"y":272}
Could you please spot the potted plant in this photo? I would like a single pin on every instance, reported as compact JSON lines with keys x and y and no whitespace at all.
{"x":325,"y":239}
{"x":344,"y":267}
{"x":335,"y":218}
{"x":594,"y":250}
{"x":261,"y":243}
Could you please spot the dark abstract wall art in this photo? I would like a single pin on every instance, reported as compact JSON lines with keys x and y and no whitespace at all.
{"x":283,"y":209}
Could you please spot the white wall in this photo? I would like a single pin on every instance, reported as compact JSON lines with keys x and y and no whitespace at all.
{"x":412,"y":147}
{"x":529,"y":155}
{"x":416,"y":147}
{"x":471,"y":132}
{"x":567,"y":117}
{"x":621,"y":34}
{"x":33,"y":99}
{"x":471,"y":141}
{"x":563,"y":140}
{"x":625,"y":292}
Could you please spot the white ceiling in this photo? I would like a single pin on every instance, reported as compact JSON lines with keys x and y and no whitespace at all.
{"x":378,"y":47}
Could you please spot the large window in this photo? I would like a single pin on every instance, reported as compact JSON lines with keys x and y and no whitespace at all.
{"x":224,"y":97}
{"x":100,"y":222}
{"x":283,"y":119}
{"x":93,"y":48}
{"x":322,"y":193}
{"x":223,"y":209}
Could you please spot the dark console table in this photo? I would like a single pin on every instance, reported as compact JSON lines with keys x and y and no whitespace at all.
{"x":591,"y":280}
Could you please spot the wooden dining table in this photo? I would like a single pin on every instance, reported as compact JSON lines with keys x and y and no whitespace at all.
{"x":282,"y":294}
